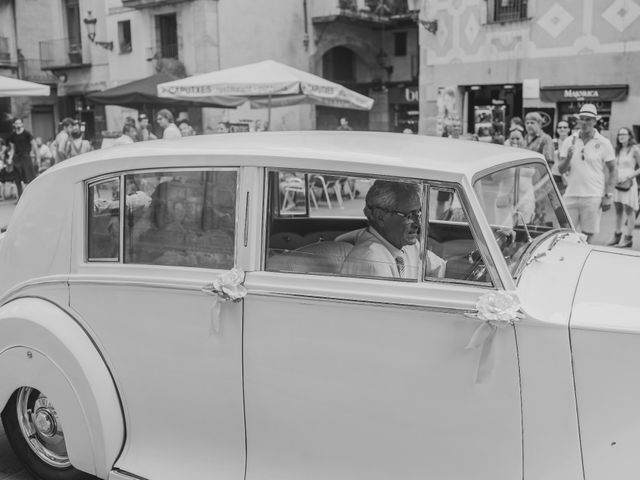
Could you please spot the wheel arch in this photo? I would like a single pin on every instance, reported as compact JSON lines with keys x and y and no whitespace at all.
{"x":43,"y":347}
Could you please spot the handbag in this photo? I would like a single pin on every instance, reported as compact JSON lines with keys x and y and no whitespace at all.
{"x":624,"y":186}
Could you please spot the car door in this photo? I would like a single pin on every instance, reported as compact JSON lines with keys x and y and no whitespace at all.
{"x":174,"y":352}
{"x":354,"y":377}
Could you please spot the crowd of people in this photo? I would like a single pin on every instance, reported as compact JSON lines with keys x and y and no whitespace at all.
{"x":591,"y":173}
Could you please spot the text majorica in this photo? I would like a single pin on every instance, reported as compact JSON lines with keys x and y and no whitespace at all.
{"x":570,"y":93}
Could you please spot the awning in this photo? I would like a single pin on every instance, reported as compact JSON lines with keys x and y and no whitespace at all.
{"x":144,"y":92}
{"x":584,"y":93}
{"x":13,"y":87}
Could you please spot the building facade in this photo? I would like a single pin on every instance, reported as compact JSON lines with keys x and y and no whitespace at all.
{"x":88,"y":46}
{"x":490,"y":60}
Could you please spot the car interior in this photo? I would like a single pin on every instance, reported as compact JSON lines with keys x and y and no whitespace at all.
{"x":314,"y":239}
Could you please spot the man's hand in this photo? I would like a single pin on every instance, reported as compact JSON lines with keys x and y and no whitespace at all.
{"x":605,"y":204}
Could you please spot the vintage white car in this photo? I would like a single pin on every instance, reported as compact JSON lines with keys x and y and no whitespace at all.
{"x":180,"y":309}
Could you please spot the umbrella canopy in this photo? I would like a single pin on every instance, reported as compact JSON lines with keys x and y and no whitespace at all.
{"x":12,"y":87}
{"x":266,"y":84}
{"x":144,"y":92}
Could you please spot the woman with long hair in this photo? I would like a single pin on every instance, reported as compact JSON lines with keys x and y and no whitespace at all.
{"x":625,"y":197}
{"x":562,"y":133}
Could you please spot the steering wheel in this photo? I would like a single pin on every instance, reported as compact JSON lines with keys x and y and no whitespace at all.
{"x":478,"y":270}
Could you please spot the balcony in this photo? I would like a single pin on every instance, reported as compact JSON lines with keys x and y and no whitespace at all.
{"x":140,"y":4}
{"x":370,"y":13}
{"x":5,"y":54}
{"x":63,"y":55}
{"x":32,"y":71}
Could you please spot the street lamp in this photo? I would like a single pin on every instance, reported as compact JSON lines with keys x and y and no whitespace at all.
{"x":90,"y":22}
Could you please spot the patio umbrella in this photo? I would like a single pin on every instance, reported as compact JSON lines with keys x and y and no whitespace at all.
{"x":144,"y":92}
{"x":12,"y":87}
{"x":265,"y":84}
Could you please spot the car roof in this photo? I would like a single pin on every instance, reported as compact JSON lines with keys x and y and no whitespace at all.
{"x":349,"y":151}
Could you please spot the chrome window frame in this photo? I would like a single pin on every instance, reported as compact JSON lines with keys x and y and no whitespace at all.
{"x":476,"y":233}
{"x":87,"y":212}
{"x":120,"y":175}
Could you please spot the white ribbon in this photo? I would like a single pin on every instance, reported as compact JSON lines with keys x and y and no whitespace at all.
{"x":226,"y":287}
{"x":497,"y":310}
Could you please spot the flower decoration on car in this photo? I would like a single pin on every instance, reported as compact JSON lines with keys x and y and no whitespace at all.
{"x":496,"y":310}
{"x":229,"y":285}
{"x":226,"y":287}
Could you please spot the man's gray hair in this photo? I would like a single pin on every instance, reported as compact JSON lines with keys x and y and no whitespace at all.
{"x":385,"y":194}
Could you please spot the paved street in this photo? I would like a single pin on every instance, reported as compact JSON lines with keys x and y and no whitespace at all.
{"x":10,"y":468}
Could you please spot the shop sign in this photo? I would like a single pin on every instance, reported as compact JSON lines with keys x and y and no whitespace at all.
{"x":609,"y":93}
{"x":404,"y":95}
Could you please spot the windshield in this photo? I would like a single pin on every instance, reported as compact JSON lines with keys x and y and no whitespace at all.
{"x":521,"y":204}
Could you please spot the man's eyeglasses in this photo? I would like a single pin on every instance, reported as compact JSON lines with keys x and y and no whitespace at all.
{"x":413,"y":216}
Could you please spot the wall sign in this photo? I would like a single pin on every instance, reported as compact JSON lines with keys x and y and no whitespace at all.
{"x":610,"y":93}
{"x":404,"y":95}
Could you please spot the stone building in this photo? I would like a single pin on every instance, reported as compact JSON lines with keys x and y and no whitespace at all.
{"x":88,"y":46}
{"x":495,"y":59}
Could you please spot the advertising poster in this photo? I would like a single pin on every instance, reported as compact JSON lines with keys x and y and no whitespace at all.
{"x":448,"y":120}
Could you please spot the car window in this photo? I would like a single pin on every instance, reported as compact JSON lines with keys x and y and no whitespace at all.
{"x":521,"y":204}
{"x":104,"y":220}
{"x":452,"y":248}
{"x":323,"y":223}
{"x":178,"y":218}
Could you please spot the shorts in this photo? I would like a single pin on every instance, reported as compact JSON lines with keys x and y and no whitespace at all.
{"x":585,"y":213}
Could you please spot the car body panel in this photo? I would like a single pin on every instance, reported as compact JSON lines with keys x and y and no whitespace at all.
{"x":605,"y":344}
{"x":550,"y":422}
{"x":187,"y":345}
{"x":42,"y":346}
{"x":342,"y":409}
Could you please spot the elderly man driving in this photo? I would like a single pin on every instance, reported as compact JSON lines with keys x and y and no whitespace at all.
{"x":390,"y":246}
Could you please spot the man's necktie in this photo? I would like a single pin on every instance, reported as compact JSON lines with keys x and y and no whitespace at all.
{"x":401,"y":265}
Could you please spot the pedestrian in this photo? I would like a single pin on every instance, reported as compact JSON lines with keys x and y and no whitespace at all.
{"x":144,"y":130}
{"x":7,"y":186}
{"x":589,"y":160}
{"x":60,"y":144}
{"x":562,"y":133}
{"x":186,"y":130}
{"x":165,"y":120}
{"x":625,"y":196}
{"x":46,"y":156}
{"x":516,"y":137}
{"x":77,"y":145}
{"x":344,"y":124}
{"x":21,"y":146}
{"x":536,"y":140}
{"x":259,"y":126}
{"x":129,"y":135}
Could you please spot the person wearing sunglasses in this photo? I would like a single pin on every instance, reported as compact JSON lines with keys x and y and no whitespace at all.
{"x":563,"y":131}
{"x":390,"y":246}
{"x":590,"y":163}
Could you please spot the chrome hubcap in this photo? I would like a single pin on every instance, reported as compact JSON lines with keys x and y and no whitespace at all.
{"x":41,"y":427}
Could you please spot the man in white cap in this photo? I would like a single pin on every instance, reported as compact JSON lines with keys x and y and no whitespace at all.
{"x":589,"y":159}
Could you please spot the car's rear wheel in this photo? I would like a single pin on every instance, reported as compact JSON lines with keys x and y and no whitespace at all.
{"x":36,"y":435}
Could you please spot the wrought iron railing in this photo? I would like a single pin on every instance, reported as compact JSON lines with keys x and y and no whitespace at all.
{"x":507,"y":10}
{"x":63,"y":53}
{"x":382,"y":8}
{"x":169,"y":50}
